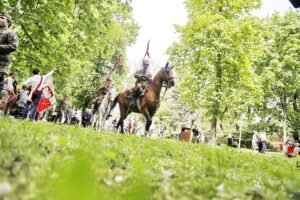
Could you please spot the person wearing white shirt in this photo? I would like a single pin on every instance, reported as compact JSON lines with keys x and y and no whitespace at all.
{"x":8,"y":87}
{"x":36,"y":84}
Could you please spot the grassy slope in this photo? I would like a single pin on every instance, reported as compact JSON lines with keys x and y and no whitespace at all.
{"x":48,"y":161}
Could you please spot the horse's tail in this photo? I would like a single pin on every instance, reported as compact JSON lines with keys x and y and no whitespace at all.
{"x":113,"y":105}
{"x":115,"y":102}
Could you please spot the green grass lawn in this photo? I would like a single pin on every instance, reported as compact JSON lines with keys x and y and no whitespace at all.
{"x":51,"y":161}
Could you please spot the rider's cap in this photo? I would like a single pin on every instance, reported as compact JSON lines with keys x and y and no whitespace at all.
{"x":7,"y":16}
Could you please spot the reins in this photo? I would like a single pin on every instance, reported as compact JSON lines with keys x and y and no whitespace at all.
{"x":164,"y":84}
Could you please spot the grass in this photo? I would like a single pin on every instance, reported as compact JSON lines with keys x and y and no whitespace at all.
{"x":44,"y":161}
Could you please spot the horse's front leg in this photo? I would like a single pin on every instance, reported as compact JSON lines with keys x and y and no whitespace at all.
{"x":149,"y":120}
{"x":101,"y":123}
{"x":121,"y":124}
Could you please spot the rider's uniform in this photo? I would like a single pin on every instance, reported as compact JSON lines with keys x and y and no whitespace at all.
{"x":143,"y":78}
{"x":100,"y":96}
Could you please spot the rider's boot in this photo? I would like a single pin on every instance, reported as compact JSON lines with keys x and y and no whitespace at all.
{"x":142,"y":91}
{"x":132,"y":101}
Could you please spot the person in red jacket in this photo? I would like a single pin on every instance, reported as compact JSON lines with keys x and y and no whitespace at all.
{"x":290,"y":151}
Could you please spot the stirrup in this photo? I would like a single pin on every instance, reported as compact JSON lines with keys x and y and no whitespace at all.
{"x":142,"y":94}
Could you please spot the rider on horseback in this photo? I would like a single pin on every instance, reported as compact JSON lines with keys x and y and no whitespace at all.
{"x":102,"y":92}
{"x":8,"y":88}
{"x":143,"y":78}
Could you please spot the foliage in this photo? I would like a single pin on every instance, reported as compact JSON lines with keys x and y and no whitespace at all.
{"x":52,"y":161}
{"x":170,"y":110}
{"x":78,"y":37}
{"x":215,"y":56}
{"x":279,"y":69}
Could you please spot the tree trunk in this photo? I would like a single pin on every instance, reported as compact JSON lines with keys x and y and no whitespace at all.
{"x":217,"y":103}
{"x":284,"y":127}
{"x":284,"y":121}
{"x":213,"y":131}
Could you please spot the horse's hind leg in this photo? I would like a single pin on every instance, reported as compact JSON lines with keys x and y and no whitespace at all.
{"x":123,"y":114}
{"x":120,"y":124}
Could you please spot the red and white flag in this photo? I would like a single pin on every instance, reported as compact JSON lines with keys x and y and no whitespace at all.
{"x":117,"y":63}
{"x":48,"y":95}
{"x":147,"y":50}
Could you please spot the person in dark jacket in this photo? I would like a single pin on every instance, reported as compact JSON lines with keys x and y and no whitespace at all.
{"x":8,"y":44}
{"x":60,"y":109}
{"x":86,"y":118}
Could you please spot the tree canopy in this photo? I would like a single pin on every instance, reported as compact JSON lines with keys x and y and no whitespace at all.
{"x":83,"y":39}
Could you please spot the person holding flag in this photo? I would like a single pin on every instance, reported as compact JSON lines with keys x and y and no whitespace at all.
{"x":102,"y":92}
{"x":36,"y":84}
{"x":97,"y":99}
{"x":143,"y":78}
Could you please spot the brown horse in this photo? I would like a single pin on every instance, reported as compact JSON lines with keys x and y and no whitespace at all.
{"x":148,"y":104}
{"x":11,"y":102}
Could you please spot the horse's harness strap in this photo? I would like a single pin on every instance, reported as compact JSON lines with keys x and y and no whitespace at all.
{"x":164,"y":93}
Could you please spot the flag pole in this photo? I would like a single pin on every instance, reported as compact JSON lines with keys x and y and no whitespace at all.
{"x":146,"y":53}
{"x":115,"y":68}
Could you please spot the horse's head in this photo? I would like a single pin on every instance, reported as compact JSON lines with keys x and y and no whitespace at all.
{"x":166,"y":74}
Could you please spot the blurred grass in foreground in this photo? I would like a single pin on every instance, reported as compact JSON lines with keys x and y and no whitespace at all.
{"x":44,"y":161}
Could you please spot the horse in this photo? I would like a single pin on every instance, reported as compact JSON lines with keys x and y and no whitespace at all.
{"x":99,"y":117}
{"x":149,"y":103}
{"x":11,"y":103}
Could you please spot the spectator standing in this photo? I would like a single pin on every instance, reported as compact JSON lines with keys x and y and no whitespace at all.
{"x":229,"y":139}
{"x":254,"y":141}
{"x":68,"y":114}
{"x":60,"y":109}
{"x":262,"y":142}
{"x":152,"y":128}
{"x":86,"y":118}
{"x":161,"y":130}
{"x":129,"y":127}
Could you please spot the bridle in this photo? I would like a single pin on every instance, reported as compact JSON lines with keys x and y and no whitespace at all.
{"x":165,"y":83}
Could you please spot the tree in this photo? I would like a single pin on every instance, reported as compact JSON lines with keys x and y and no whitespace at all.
{"x":215,"y":55}
{"x":279,"y":69}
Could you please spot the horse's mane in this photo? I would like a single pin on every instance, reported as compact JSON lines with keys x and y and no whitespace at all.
{"x":157,"y":74}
